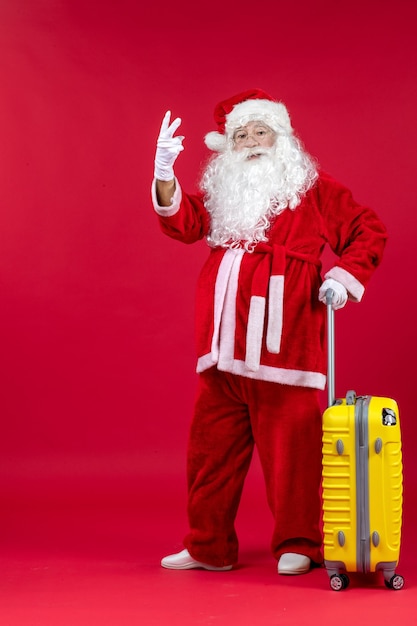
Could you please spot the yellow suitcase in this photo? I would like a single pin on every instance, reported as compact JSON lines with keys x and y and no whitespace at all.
{"x":362,"y":483}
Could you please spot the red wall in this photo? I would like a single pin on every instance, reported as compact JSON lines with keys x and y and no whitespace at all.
{"x":97,"y":357}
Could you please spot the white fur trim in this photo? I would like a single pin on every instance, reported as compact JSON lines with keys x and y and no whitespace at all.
{"x":215,"y":141}
{"x":254,"y":332}
{"x":205,"y":362}
{"x":228,"y":318}
{"x":274,"y":114}
{"x":220,"y":290}
{"x":354,"y":288}
{"x":275,"y":314}
{"x":167,"y":211}
{"x":299,"y":378}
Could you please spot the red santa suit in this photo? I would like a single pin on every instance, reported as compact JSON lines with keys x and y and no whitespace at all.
{"x":260,"y":332}
{"x":258,"y":317}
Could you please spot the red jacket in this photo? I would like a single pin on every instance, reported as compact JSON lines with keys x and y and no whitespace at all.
{"x":258,"y":313}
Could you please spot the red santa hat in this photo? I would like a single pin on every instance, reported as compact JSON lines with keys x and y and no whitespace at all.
{"x":237,"y":111}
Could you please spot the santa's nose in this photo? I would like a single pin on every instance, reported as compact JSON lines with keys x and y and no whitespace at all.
{"x":251,"y":141}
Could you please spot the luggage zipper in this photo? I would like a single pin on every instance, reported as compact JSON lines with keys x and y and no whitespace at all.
{"x":362,"y":484}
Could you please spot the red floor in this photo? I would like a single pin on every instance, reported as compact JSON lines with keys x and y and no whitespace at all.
{"x":85,"y":556}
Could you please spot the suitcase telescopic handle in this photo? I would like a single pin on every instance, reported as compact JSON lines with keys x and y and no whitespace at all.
{"x":331,"y":398}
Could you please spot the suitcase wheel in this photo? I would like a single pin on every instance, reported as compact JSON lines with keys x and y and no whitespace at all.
{"x":396,"y":582}
{"x":339,"y":582}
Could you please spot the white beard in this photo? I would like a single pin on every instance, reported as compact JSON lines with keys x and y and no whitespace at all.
{"x":243,"y":194}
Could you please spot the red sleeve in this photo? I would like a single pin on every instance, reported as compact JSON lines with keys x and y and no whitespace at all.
{"x":354,"y":232}
{"x":190,"y":223}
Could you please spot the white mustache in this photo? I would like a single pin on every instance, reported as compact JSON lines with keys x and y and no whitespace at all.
{"x":246,"y":153}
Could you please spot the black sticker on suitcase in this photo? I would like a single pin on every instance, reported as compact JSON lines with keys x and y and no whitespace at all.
{"x":388,"y":417}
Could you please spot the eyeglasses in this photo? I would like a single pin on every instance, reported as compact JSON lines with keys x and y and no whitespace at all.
{"x":259,"y":134}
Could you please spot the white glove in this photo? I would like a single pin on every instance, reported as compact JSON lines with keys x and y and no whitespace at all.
{"x":340,"y":295}
{"x":167,"y":148}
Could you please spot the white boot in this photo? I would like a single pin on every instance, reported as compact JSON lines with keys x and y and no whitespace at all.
{"x":184,"y":560}
{"x":291,"y":563}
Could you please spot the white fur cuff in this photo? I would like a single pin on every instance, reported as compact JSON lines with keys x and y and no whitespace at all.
{"x":167,"y":211}
{"x":354,"y":288}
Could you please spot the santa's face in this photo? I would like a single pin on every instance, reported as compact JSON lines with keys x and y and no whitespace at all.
{"x":252,"y":135}
{"x":260,"y":174}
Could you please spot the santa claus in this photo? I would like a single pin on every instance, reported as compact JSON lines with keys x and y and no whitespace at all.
{"x":266,"y":212}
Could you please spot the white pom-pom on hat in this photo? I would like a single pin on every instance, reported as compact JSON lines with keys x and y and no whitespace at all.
{"x":215,"y":141}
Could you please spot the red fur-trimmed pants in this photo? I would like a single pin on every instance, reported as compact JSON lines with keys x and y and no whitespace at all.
{"x":232,"y":414}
